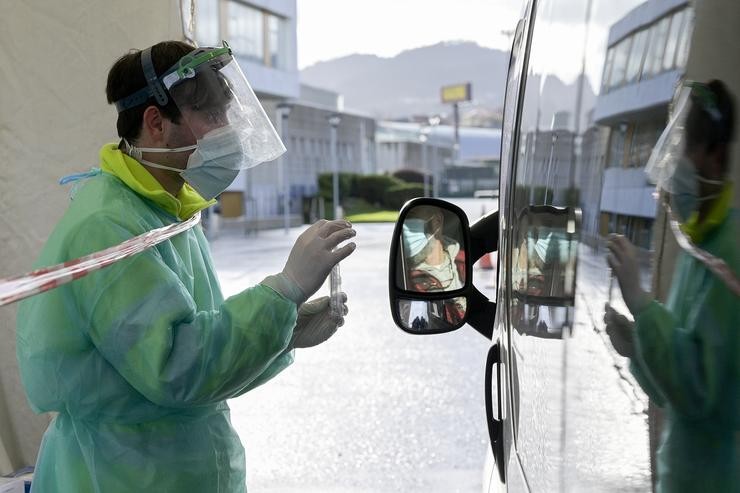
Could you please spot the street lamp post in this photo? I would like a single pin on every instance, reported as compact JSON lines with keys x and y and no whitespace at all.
{"x":283,"y":111}
{"x":423,"y":139}
{"x":433,"y":122}
{"x":334,"y":120}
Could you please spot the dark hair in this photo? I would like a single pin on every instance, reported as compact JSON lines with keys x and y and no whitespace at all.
{"x":711,"y":118}
{"x":126,"y":77}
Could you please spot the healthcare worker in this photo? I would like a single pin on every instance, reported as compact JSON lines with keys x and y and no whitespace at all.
{"x":138,"y":359}
{"x":686,"y":353}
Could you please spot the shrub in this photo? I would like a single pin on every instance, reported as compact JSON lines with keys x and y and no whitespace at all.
{"x":373,"y":188}
{"x":326,"y":186}
{"x":396,"y":196}
{"x":409,"y":176}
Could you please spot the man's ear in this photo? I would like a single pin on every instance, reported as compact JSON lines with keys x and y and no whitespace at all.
{"x":153,"y":123}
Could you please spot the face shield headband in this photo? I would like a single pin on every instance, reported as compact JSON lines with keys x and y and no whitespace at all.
{"x":212,"y":96}
{"x":157,"y":87}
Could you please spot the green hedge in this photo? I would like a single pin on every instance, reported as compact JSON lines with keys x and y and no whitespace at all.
{"x":379,"y":191}
{"x":396,"y":196}
{"x":326,"y":185}
{"x":373,"y":188}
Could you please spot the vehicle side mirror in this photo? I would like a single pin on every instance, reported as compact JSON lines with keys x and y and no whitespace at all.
{"x":430,"y":268}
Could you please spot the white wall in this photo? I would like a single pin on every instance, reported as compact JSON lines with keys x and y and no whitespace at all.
{"x":54,"y":62}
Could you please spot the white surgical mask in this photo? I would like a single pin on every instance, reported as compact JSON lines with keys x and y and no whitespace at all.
{"x":214,"y":164}
{"x":414,"y":236}
{"x":685,"y":195}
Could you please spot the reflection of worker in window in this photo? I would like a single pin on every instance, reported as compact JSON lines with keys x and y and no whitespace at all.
{"x":434,"y":261}
{"x":685,"y":352}
{"x":548,"y":254}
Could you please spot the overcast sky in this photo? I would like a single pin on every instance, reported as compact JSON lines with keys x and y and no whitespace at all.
{"x":334,"y":28}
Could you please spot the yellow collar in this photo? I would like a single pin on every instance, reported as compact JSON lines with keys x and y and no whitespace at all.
{"x":698,"y":231}
{"x":138,"y":179}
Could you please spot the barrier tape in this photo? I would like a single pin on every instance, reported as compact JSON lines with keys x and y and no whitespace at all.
{"x":14,"y":289}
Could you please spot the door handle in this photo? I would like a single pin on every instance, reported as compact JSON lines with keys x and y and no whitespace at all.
{"x":495,"y":425}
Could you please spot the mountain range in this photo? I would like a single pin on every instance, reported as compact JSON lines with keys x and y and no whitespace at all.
{"x":409,"y":83}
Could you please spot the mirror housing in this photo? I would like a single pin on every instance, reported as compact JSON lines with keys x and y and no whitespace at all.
{"x":447,"y":299}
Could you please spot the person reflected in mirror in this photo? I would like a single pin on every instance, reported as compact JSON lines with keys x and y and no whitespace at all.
{"x":434,"y":261}
{"x":685,"y":353}
{"x":419,"y":324}
{"x":415,"y":315}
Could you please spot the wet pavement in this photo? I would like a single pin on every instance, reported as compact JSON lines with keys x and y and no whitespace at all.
{"x":371,"y":410}
{"x":377,"y":410}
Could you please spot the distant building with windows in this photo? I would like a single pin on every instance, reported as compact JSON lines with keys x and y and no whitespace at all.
{"x":645,"y":59}
{"x":552,"y":152}
{"x":430,"y":150}
{"x":262,"y":34}
{"x":307,"y":136}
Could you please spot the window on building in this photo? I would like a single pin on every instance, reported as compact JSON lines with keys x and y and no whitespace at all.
{"x":637,"y":56}
{"x":608,"y":63}
{"x":658,"y":37}
{"x":246,"y":31}
{"x":682,"y":52}
{"x":277,"y":42}
{"x":619,"y":69}
{"x":644,"y":137}
{"x":617,"y":139}
{"x":671,"y":47}
{"x":207,"y":23}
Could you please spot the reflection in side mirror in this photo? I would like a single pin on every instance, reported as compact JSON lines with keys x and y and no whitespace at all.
{"x":432,"y":316}
{"x":545,"y":256}
{"x":431,"y":253}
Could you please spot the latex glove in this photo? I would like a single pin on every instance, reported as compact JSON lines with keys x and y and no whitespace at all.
{"x":622,"y":259}
{"x":312,"y":256}
{"x":315,"y":323}
{"x":620,"y":331}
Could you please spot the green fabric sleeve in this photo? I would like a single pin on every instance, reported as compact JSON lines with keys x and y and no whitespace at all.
{"x":647,"y":385}
{"x":142,"y":318}
{"x":680,"y":365}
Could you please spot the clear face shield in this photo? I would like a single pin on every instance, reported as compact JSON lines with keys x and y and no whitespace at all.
{"x":678,"y":181}
{"x":219,"y":107}
{"x":212,"y":94}
{"x":669,"y":168}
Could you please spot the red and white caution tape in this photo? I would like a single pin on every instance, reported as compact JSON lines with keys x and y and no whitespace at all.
{"x":17,"y":288}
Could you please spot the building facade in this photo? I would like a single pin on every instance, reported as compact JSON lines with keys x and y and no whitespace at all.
{"x":262,"y":34}
{"x":430,"y":150}
{"x":646,"y":58}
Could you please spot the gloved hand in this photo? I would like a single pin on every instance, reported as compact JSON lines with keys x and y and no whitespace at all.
{"x":312,"y":258}
{"x":623,"y":261}
{"x":620,"y":331}
{"x":315,"y":323}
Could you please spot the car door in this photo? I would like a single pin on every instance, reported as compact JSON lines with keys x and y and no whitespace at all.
{"x":578,"y":137}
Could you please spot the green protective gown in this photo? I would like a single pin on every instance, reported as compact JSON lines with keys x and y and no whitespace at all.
{"x":687,"y":361}
{"x":138,"y":358}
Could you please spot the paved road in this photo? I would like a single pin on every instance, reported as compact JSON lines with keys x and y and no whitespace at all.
{"x":371,"y":410}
